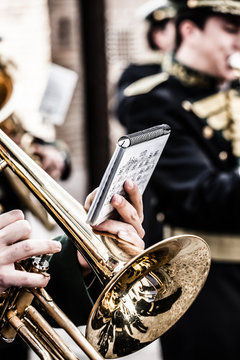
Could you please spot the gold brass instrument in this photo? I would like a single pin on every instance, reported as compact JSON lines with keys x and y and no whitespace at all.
{"x":12,"y":126}
{"x":143,"y":296}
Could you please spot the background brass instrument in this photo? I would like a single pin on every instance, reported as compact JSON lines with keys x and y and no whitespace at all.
{"x":142,"y":296}
{"x":12,"y":126}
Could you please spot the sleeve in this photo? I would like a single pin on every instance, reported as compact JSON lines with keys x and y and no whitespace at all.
{"x":62,"y":147}
{"x":67,"y":286}
{"x":130,"y":75}
{"x":191,"y":186}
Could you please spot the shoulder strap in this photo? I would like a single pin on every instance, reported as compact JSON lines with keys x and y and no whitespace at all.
{"x":146,"y":84}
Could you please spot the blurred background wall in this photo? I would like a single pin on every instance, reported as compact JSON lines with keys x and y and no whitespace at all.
{"x":36,"y":33}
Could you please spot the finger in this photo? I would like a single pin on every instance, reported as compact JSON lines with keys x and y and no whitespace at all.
{"x":39,"y":152}
{"x":19,"y":230}
{"x":89,"y":199}
{"x":10,"y":217}
{"x":135,"y":197}
{"x":129,"y":248}
{"x":55,"y":173}
{"x":128,"y":213}
{"x":85,"y":267}
{"x":131,"y":237}
{"x":47,"y":164}
{"x":38,"y":148}
{"x":23,"y":278}
{"x":121,"y":230}
{"x":27,"y":248}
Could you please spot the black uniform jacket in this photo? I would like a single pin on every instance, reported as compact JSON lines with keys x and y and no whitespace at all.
{"x":135,"y":72}
{"x":197,"y":180}
{"x":67,"y":286}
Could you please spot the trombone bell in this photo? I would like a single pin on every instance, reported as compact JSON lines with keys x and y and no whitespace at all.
{"x":148,"y":296}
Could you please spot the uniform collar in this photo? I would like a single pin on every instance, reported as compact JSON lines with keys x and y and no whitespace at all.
{"x":186,"y":75}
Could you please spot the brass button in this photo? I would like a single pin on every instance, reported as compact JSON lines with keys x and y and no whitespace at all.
{"x":187,"y":105}
{"x":160,"y":217}
{"x":192,"y":3}
{"x":207,"y":132}
{"x":159,"y":15}
{"x":223,"y":155}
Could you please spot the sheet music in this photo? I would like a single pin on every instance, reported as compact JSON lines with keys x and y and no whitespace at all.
{"x":135,"y":162}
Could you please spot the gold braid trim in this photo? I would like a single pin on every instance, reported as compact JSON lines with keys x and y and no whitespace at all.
{"x":232,"y":132}
{"x":162,"y":14}
{"x":222,"y":6}
{"x":222,"y":113}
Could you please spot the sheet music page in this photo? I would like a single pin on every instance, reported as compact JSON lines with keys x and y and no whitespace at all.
{"x":135,"y":162}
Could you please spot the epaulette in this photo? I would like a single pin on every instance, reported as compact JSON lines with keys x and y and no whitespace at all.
{"x":146,"y":84}
{"x":154,"y":57}
{"x":209,"y":106}
{"x":221,"y":112}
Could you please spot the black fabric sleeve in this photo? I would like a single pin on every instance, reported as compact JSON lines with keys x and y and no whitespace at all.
{"x":67,"y":286}
{"x":194,"y":189}
{"x":62,"y":147}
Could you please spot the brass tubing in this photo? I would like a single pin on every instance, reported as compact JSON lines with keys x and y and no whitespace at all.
{"x":65,"y":323}
{"x":43,"y":340}
{"x":42,"y":325}
{"x":27,"y":336}
{"x":3,"y":164}
{"x":69,"y":214}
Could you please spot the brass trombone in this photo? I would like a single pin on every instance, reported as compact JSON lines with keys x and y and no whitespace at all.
{"x":142,"y":297}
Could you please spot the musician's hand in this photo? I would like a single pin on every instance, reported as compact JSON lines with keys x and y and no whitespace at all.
{"x":15,"y":245}
{"x":131,"y":213}
{"x":129,"y":227}
{"x":52,"y":160}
